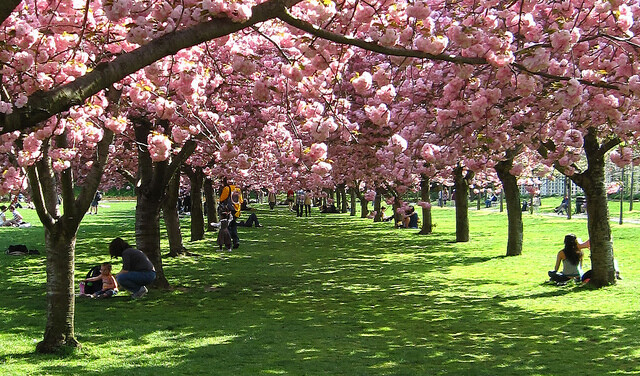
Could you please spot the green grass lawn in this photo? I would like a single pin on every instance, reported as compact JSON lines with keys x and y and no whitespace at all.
{"x":335,"y":295}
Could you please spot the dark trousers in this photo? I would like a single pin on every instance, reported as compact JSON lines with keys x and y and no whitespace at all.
{"x":233,"y":230}
{"x":307,"y":210}
{"x":299,"y":209}
{"x":253,"y":219}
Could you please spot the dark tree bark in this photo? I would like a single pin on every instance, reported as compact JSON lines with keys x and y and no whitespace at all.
{"x":196,"y":176}
{"x":209,"y":195}
{"x":343,"y":202}
{"x":397,"y":218}
{"x":425,"y":195}
{"x":592,"y":181}
{"x":151,"y":187}
{"x":42,"y":105}
{"x":61,"y":231}
{"x":461,"y":184}
{"x":6,"y":7}
{"x":171,"y":218}
{"x":364,"y":204}
{"x":514,"y":212}
{"x":377,"y":206}
{"x":352,"y":196}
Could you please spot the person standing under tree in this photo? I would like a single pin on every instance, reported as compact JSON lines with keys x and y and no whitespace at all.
{"x":272,"y":199}
{"x":308,"y":199}
{"x":299,"y":202}
{"x":94,"y":204}
{"x":231,"y":201}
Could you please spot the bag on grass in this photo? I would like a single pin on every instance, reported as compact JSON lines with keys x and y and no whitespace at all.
{"x":93,"y":286}
{"x":17,"y":250}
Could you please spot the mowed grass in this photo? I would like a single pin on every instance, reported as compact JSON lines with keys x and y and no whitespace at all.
{"x":334,"y":295}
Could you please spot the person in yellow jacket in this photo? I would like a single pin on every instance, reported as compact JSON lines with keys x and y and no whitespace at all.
{"x":231,"y":201}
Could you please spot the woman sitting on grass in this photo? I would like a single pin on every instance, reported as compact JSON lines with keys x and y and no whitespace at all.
{"x":571,"y":258}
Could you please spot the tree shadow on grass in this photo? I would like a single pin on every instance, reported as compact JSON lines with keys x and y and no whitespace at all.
{"x":299,"y":298}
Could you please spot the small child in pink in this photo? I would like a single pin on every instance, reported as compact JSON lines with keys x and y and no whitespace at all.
{"x":109,"y":283}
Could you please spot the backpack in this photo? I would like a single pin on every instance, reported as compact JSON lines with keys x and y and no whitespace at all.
{"x":230,"y":204}
{"x":93,"y":286}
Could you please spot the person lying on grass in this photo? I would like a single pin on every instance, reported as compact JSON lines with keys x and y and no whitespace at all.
{"x":571,"y":258}
{"x":109,"y":283}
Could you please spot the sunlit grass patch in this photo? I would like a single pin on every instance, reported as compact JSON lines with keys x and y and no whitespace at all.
{"x":334,"y":294}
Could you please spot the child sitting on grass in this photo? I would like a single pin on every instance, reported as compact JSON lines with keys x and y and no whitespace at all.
{"x":109,"y":283}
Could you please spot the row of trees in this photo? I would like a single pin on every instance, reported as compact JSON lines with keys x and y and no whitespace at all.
{"x":373,"y":98}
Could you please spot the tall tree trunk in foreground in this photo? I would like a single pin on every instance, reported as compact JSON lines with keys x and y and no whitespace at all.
{"x":514,"y":212}
{"x":171,"y":218}
{"x":60,"y":231}
{"x":425,"y":195}
{"x":461,"y":184}
{"x":592,"y":181}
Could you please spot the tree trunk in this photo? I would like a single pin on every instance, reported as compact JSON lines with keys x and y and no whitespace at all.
{"x":514,"y":212}
{"x":148,"y":234}
{"x":338,"y":197}
{"x":352,"y":196}
{"x":632,"y":178}
{"x":425,"y":195}
{"x":592,"y":182}
{"x":60,"y":231}
{"x":197,"y":213}
{"x":397,"y":217}
{"x":461,"y":185}
{"x":209,"y":195}
{"x":364,"y":204}
{"x":151,"y":187}
{"x":59,"y":331}
{"x":171,"y":218}
{"x":343,"y":193}
{"x":377,"y":207}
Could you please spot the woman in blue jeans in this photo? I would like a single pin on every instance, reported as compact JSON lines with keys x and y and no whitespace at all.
{"x":137,"y":270}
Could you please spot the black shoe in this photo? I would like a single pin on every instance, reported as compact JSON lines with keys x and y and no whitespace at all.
{"x":236,"y":245}
{"x":259,"y":225}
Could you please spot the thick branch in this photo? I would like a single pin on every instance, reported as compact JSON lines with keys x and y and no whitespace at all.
{"x":286,"y":17}
{"x":38,"y":199}
{"x":186,"y":151}
{"x":6,"y":7}
{"x":43,"y":105}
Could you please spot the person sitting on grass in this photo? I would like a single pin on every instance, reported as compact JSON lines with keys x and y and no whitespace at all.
{"x":109,"y":283}
{"x":17,"y":218}
{"x":137,"y":270}
{"x":410,"y":219}
{"x":571,"y":259}
{"x":251,"y":221}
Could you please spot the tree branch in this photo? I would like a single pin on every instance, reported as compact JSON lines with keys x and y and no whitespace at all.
{"x":6,"y":8}
{"x":42,"y":105}
{"x":286,"y":17}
